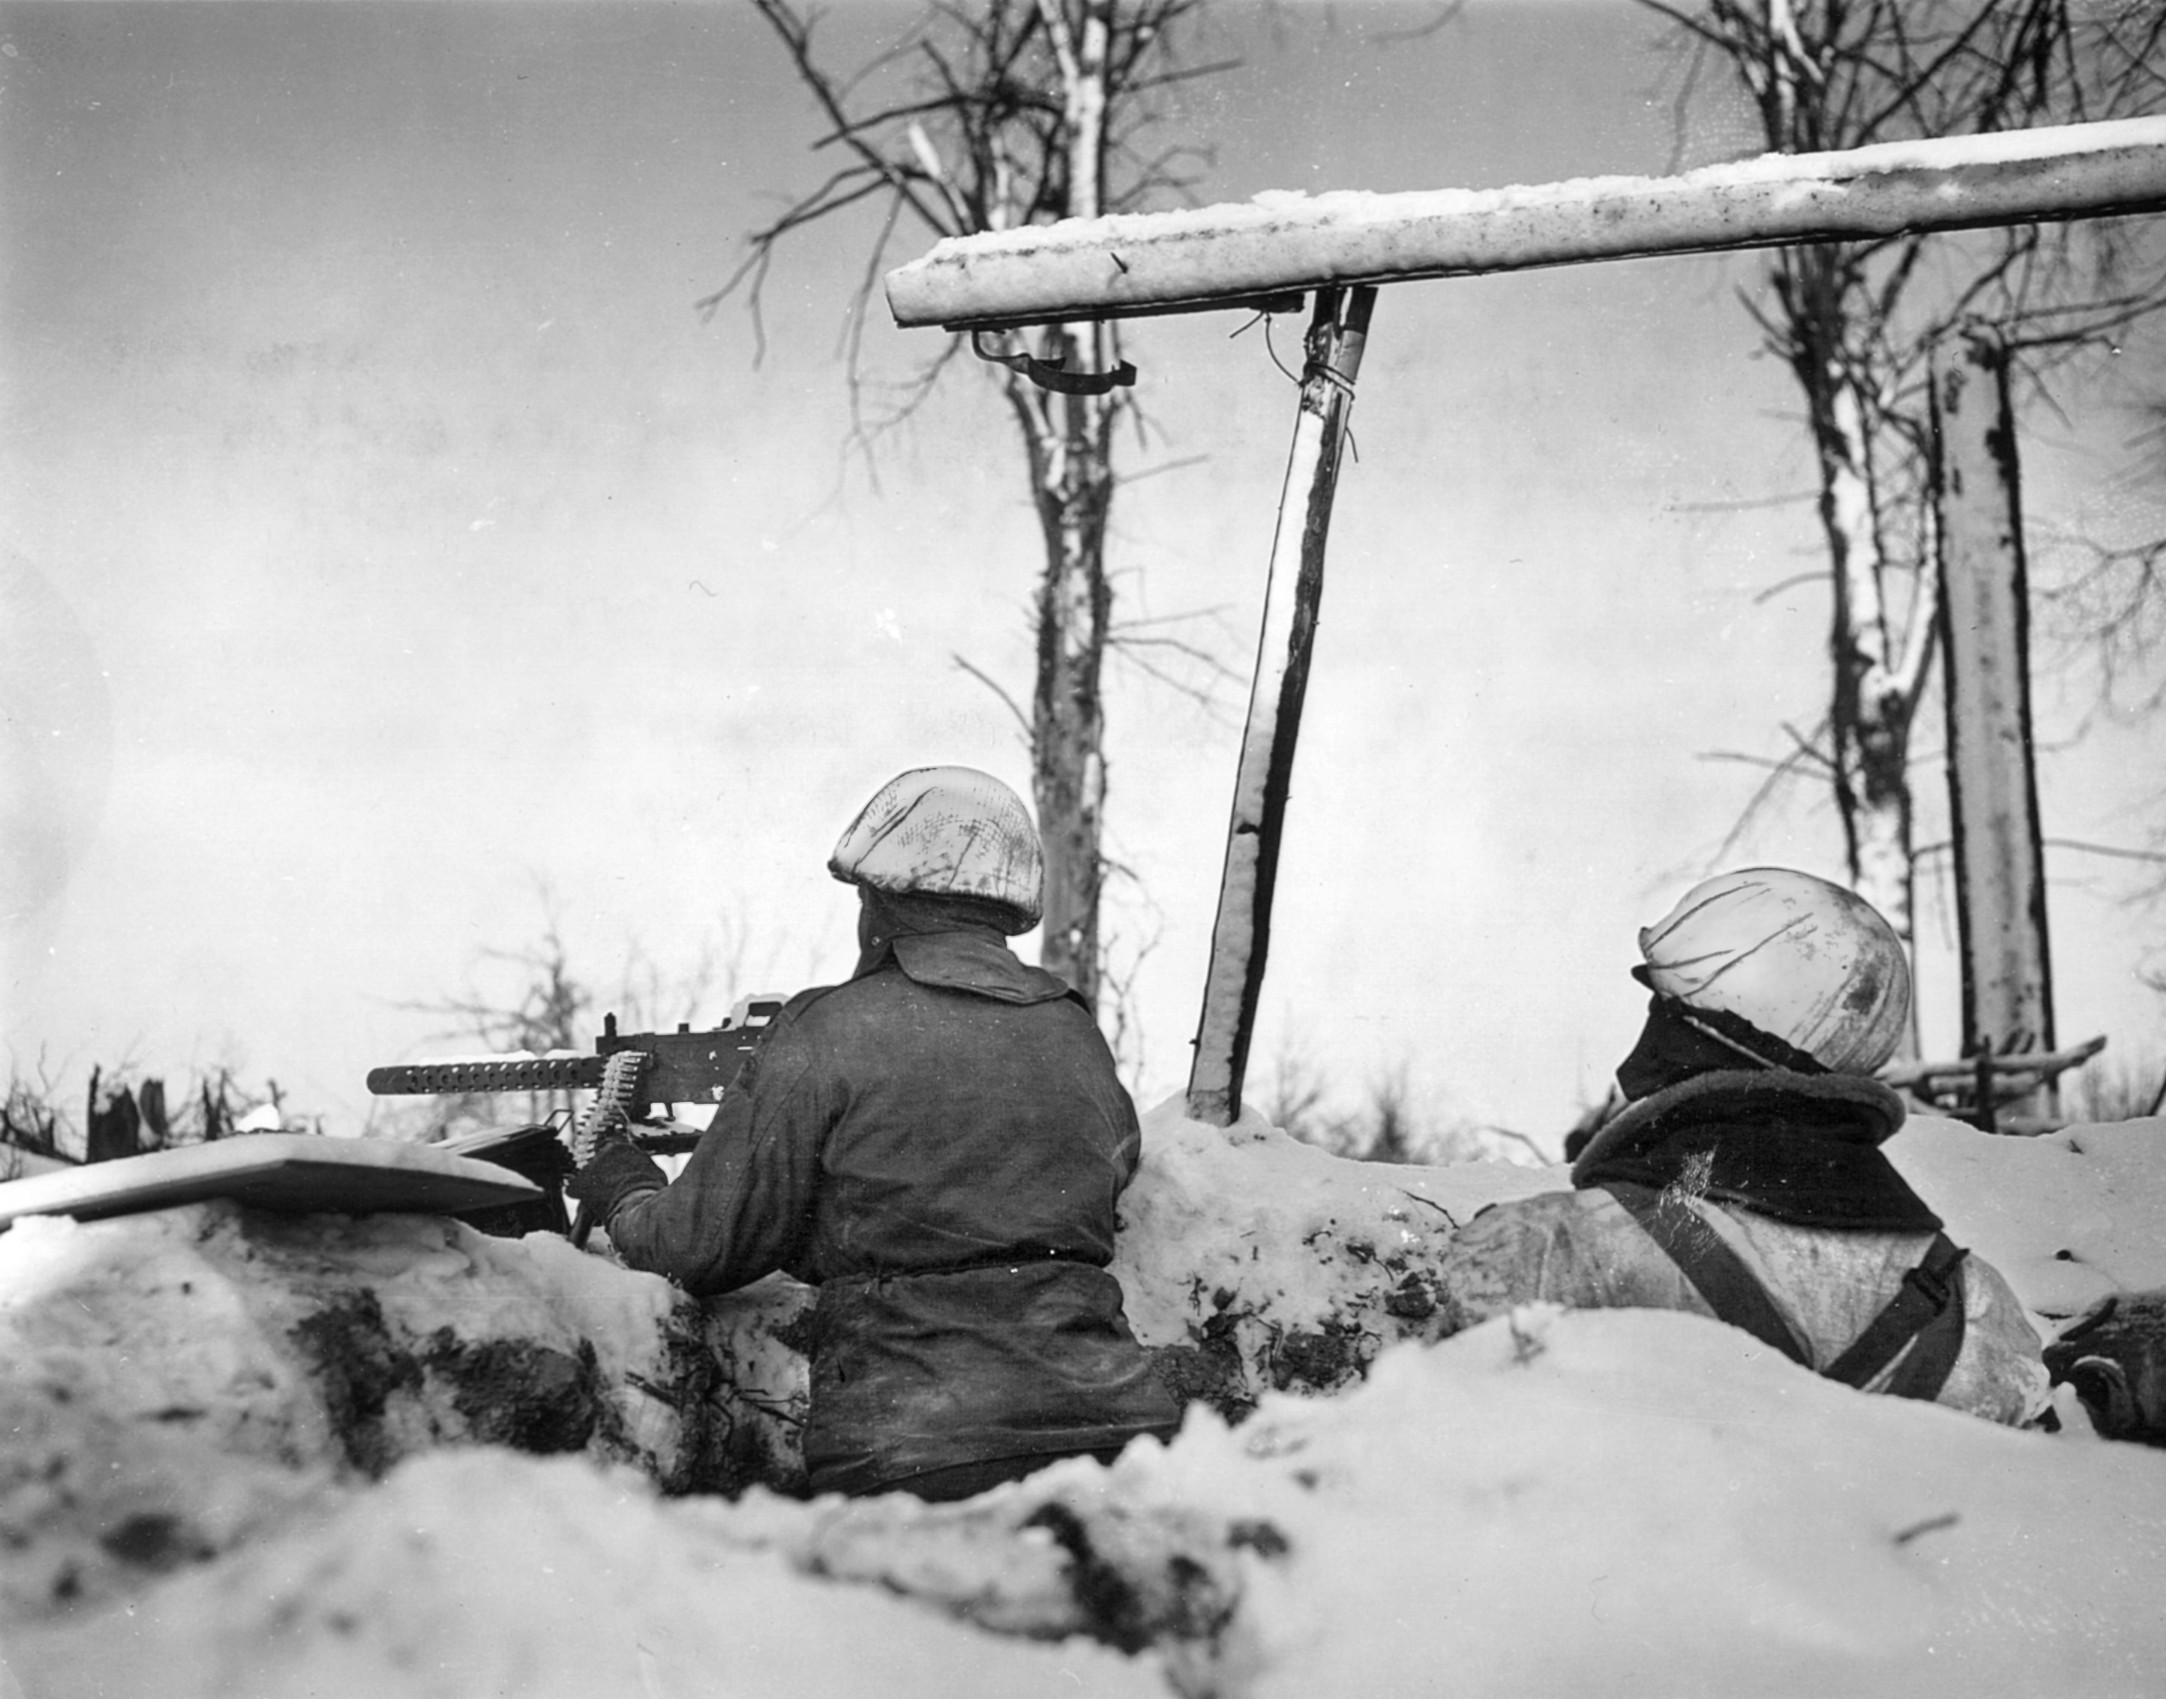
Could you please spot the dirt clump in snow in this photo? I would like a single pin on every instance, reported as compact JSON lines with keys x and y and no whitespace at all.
{"x":751,"y":1386}
{"x":1207,"y":1368}
{"x":361,"y":1370}
{"x":515,"y":1392}
{"x":1173,"y":1596}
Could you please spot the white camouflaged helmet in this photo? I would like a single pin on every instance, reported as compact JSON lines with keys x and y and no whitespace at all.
{"x":1796,"y":956}
{"x":951,"y":832}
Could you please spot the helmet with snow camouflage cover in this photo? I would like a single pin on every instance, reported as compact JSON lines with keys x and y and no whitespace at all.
{"x":1791,"y":955}
{"x":951,"y":832}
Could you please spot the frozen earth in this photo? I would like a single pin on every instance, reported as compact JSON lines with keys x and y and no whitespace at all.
{"x":391,"y":1456}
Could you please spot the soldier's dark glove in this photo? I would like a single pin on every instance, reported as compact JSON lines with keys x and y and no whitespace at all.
{"x":619,"y":1170}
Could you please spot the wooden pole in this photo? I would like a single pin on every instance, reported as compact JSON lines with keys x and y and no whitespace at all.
{"x":1293,"y":593}
{"x":1224,"y":257}
{"x":2000,"y":881}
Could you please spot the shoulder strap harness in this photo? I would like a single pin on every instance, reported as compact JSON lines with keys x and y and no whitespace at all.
{"x":1928,"y":1308}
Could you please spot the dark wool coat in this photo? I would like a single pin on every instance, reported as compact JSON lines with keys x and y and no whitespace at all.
{"x":939,"y":1146}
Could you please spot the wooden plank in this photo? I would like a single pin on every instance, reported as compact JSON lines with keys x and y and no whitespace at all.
{"x":1293,"y":598}
{"x":294,"y":1173}
{"x":1280,"y":244}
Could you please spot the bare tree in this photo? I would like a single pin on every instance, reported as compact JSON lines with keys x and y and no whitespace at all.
{"x":986,"y":116}
{"x":1293,"y":1099}
{"x":128,"y":1114}
{"x":2106,"y":597}
{"x":1857,"y":323}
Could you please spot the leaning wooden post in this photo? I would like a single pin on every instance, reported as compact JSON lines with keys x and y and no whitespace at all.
{"x":2000,"y":881}
{"x":1241,"y":935}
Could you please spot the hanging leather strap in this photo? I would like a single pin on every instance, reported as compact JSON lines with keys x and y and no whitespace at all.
{"x":1927,"y":1308}
{"x":1717,"y":1273}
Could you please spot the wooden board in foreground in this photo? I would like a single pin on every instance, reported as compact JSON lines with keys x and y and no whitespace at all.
{"x":296,"y":1173}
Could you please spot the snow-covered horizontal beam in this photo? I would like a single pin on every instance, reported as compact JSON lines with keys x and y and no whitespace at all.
{"x":1289,"y":243}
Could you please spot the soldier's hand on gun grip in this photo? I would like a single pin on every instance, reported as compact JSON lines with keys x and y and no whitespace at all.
{"x":617,"y":1169}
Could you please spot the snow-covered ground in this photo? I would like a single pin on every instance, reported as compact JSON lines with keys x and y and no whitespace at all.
{"x":255,"y":1456}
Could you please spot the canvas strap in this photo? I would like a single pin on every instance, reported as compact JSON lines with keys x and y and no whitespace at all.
{"x":1927,"y":1308}
{"x":1716,"y":1272}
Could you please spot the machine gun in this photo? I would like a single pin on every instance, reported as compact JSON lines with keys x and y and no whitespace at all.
{"x":631,"y":1075}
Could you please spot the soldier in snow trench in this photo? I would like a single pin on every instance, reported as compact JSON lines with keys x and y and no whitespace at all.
{"x":938,"y":1145}
{"x":1744,"y":1178}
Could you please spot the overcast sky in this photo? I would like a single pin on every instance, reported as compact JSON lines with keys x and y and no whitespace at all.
{"x":393,"y":553}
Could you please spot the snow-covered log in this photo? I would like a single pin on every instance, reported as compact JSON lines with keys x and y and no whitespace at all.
{"x":1286,"y":243}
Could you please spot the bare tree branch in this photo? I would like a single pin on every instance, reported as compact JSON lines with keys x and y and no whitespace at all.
{"x":1009,"y":702}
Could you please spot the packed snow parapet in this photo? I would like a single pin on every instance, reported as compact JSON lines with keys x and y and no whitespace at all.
{"x":177,"y":1381}
{"x":481,"y":1572}
{"x":180,"y":1383}
{"x":2069,"y":1218}
{"x":1616,"y":1502}
{"x":1252,"y":1262}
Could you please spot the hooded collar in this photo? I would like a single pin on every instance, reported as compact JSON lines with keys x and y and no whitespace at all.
{"x":952,"y":943}
{"x":1802,"y":1148}
{"x":954,"y":955}
{"x":978,"y":962}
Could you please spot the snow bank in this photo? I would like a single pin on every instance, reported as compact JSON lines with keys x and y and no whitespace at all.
{"x":1644,"y":1503}
{"x":486,"y":1573}
{"x":1254,"y":1262}
{"x":178,"y":1381}
{"x":1617,"y":1502}
{"x":2069,"y":1217}
{"x":257,"y":1454}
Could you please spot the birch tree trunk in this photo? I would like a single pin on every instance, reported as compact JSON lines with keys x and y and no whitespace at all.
{"x":1070,"y":444}
{"x":991,"y":116}
{"x":1069,"y":438}
{"x":1878,"y":674}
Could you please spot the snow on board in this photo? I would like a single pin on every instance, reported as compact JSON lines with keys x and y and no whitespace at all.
{"x":1286,"y":242}
{"x":296,"y":1173}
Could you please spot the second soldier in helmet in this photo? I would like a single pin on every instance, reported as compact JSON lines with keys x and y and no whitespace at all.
{"x":1744,"y":1177}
